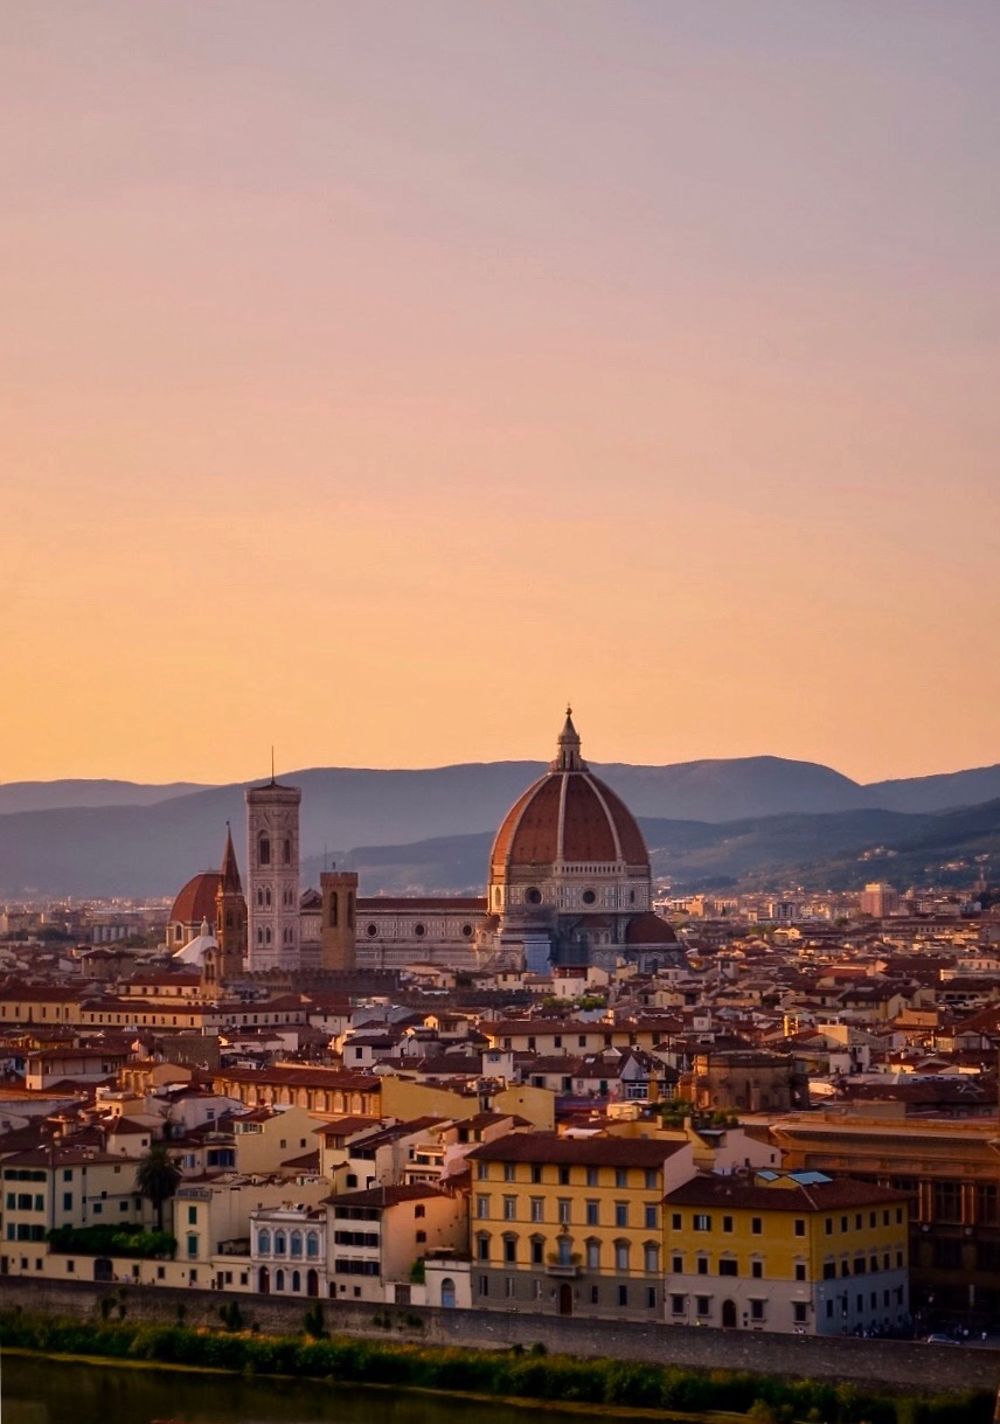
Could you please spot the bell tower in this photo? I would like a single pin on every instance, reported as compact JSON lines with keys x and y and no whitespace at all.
{"x":230,"y":915}
{"x":273,"y":876}
{"x":339,"y":889}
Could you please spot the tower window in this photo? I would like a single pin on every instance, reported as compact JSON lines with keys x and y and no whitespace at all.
{"x":264,"y":849}
{"x":287,"y":850}
{"x":333,"y":910}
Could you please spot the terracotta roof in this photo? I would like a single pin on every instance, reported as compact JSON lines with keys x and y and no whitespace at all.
{"x":196,"y":901}
{"x":649,"y":929}
{"x":735,"y":1192}
{"x":386,"y":1196}
{"x":473,"y":904}
{"x":567,"y":816}
{"x":547,"y":1147}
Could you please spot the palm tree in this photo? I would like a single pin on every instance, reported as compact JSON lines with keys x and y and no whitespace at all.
{"x":158,"y":1178}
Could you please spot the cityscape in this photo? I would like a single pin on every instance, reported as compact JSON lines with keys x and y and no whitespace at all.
{"x":500,"y":786}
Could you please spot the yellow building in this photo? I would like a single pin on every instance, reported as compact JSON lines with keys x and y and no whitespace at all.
{"x":572,"y":1225}
{"x":797,"y":1252}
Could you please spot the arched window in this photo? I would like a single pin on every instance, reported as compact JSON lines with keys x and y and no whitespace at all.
{"x":448,"y":1293}
{"x":264,"y":1243}
{"x":263,"y":849}
{"x":286,"y":850}
{"x":296,"y":1282}
{"x":334,"y":907}
{"x":267,"y":936}
{"x":651,"y":1257}
{"x":312,"y":1245}
{"x":279,"y":1243}
{"x":279,"y":1280}
{"x":267,"y":898}
{"x":296,"y":1243}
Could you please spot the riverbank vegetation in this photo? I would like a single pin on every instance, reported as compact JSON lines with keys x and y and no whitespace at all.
{"x":516,"y":1373}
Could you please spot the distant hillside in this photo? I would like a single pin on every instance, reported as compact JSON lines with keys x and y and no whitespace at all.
{"x":830,"y":851}
{"x":49,"y":795}
{"x":704,"y":819}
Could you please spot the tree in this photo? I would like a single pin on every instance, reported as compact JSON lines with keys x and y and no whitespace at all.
{"x":158,"y":1178}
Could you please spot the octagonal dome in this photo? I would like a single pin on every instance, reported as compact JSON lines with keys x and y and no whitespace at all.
{"x":567,"y":818}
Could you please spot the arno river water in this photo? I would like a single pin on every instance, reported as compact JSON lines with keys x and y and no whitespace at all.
{"x":38,"y":1391}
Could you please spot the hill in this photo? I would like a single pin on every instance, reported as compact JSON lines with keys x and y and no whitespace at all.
{"x":703,"y":819}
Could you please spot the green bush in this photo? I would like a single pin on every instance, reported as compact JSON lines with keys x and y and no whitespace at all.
{"x":527,"y":1375}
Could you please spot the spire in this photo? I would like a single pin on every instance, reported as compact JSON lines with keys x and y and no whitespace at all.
{"x":568,"y":751}
{"x":229,"y":875}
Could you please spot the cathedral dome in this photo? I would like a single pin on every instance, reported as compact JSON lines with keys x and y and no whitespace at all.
{"x":568,"y":818}
{"x":196,"y":902}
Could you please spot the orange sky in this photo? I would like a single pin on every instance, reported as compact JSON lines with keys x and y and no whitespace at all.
{"x":376,"y":376}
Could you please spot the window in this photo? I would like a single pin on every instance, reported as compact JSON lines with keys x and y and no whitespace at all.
{"x":482,"y":1171}
{"x":537,"y":1251}
{"x":295,"y":1241}
{"x":621,"y":1255}
{"x":483,"y":1248}
{"x":564,"y":1176}
{"x":702,"y":1222}
{"x":650,"y":1297}
{"x":757,"y":1269}
{"x":728,"y":1268}
{"x":703,"y":1305}
{"x":621,"y":1177}
{"x":564,"y":1209}
{"x":510,"y":1250}
{"x":67,"y":1201}
{"x":651,"y":1257}
{"x":756,"y":1226}
{"x":756,"y":1310}
{"x":675,"y":1221}
{"x":263,"y":849}
{"x":482,"y":1208}
{"x":593,"y":1255}
{"x":800,"y":1270}
{"x":508,"y":1171}
{"x":537,"y":1208}
{"x":279,"y":1243}
{"x":651,"y":1216}
{"x":623,"y":1295}
{"x":703,"y":1265}
{"x":800,"y":1226}
{"x":799,"y":1312}
{"x":677,"y":1265}
{"x":677,"y":1304}
{"x":650,"y":1179}
{"x":192,"y":1216}
{"x":591,"y":1176}
{"x":264,"y":1243}
{"x":192,"y":1247}
{"x":621,"y":1213}
{"x":536,"y":1172}
{"x":312,"y":1245}
{"x":593,"y":1213}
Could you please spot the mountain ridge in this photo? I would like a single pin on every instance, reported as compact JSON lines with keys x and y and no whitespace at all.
{"x":145,"y":849}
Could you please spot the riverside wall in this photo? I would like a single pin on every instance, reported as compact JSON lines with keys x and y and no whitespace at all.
{"x":887,"y":1364}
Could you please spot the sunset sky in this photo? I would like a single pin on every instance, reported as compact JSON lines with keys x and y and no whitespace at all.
{"x":376,"y":376}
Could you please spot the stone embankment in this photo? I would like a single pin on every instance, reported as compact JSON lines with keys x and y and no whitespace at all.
{"x":885,"y":1364}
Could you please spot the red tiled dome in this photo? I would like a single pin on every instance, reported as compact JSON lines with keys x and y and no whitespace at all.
{"x":567,"y":816}
{"x":196,"y":902}
{"x":649,"y":929}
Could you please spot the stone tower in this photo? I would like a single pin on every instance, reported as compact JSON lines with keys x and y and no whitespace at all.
{"x":230,"y":916}
{"x":339,"y":889}
{"x":273,"y":876}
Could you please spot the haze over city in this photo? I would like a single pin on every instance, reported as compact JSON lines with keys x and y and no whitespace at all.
{"x":376,"y":377}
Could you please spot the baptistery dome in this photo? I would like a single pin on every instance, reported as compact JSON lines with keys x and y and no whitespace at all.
{"x":569,"y":865}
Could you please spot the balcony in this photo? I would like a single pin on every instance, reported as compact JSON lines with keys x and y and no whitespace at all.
{"x":559,"y":1264}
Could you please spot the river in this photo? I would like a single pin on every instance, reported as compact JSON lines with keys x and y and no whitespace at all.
{"x":41,"y":1391}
